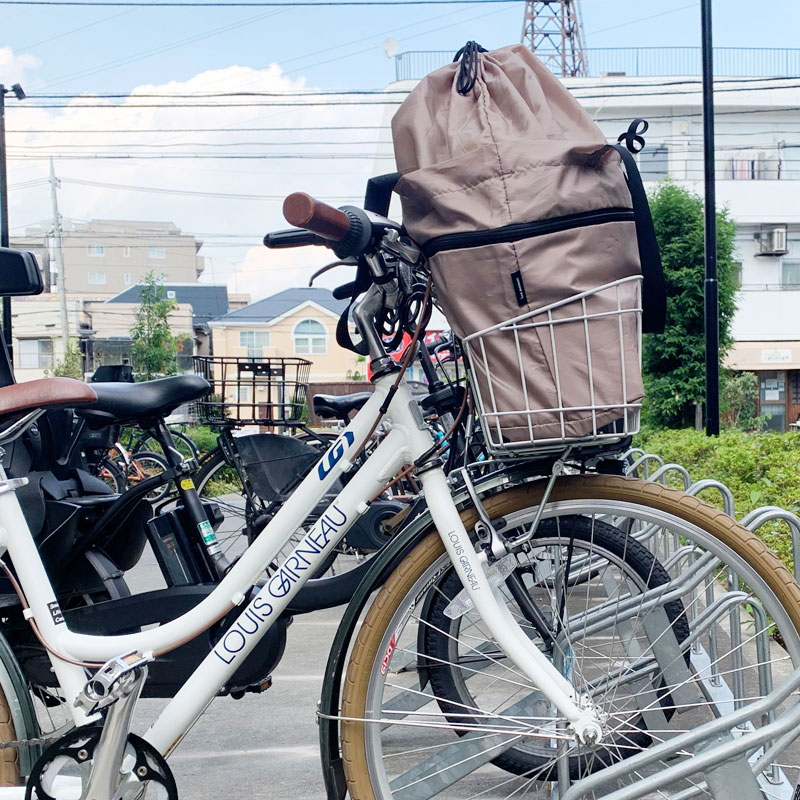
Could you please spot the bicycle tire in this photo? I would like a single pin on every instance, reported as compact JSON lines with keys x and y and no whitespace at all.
{"x":151,"y":464}
{"x":108,"y":471}
{"x":185,"y":446}
{"x":9,"y":757}
{"x":379,"y":639}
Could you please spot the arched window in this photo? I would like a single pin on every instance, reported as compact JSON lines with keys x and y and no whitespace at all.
{"x":310,"y":338}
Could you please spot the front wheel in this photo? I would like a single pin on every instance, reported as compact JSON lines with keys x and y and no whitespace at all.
{"x":630,"y":583}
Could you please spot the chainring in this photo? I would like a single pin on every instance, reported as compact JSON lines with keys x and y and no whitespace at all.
{"x":143,"y":765}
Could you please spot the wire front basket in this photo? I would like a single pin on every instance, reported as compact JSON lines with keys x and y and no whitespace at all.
{"x":565,"y":374}
{"x":252,"y":391}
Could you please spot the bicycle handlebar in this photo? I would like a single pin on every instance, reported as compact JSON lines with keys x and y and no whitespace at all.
{"x":294,"y":237}
{"x":303,"y":211}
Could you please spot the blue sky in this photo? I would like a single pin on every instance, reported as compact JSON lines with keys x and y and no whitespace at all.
{"x":231,"y":202}
{"x":112,"y":49}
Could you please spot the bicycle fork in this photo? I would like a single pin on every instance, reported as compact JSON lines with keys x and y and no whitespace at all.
{"x":493,"y":611}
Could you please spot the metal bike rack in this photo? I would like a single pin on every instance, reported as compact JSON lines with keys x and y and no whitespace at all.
{"x":644,"y":460}
{"x":717,"y":754}
{"x":756,"y":518}
{"x":660,"y":475}
{"x":728,"y":503}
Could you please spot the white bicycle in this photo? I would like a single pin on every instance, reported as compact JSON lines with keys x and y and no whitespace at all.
{"x":538,"y":635}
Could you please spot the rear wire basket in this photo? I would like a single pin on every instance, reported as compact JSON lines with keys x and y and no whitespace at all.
{"x":252,"y":391}
{"x":583,"y":392}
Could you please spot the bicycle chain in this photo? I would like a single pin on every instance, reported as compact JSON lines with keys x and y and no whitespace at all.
{"x":42,"y":740}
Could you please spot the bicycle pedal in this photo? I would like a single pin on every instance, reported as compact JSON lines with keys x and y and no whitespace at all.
{"x":115,"y":679}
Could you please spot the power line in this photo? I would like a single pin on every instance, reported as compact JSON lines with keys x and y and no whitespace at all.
{"x":201,"y":156}
{"x":202,"y":95}
{"x":195,"y":193}
{"x":291,"y":128}
{"x":644,"y":19}
{"x":631,"y":92}
{"x":121,"y":107}
{"x":383,"y":92}
{"x":247,"y":3}
{"x":206,"y":144}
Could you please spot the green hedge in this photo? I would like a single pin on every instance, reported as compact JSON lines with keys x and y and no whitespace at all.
{"x":760,"y":469}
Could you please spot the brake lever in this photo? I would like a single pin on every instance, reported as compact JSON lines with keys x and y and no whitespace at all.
{"x":345,"y":262}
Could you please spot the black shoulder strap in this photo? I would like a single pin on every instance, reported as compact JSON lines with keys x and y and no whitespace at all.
{"x":379,"y":193}
{"x":654,"y":293}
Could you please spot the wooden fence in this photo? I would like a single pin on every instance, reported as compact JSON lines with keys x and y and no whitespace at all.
{"x":338,"y":389}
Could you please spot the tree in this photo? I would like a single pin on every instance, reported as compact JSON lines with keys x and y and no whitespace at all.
{"x":673,"y":362}
{"x":739,"y":407}
{"x":154,"y":346}
{"x":72,"y":364}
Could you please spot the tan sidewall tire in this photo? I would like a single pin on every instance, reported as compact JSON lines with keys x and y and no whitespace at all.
{"x":9,"y":759}
{"x":597,"y":487}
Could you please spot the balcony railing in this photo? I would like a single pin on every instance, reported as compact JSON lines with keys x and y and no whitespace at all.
{"x":729,"y":62}
{"x":770,"y":287}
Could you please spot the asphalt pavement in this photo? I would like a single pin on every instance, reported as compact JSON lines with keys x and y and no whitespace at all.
{"x":262,"y":747}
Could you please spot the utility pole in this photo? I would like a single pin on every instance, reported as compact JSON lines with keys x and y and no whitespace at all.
{"x":62,"y":288}
{"x":711,"y":287}
{"x":552,"y":30}
{"x":4,"y":236}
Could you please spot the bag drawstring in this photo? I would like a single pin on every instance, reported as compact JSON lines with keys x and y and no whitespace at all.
{"x":468,"y":71}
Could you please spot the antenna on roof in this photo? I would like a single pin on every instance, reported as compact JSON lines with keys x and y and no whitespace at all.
{"x":553,"y":31}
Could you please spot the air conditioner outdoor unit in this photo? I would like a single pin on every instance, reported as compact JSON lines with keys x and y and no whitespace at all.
{"x":771,"y":240}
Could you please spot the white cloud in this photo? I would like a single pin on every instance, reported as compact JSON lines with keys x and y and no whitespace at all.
{"x":215,"y":220}
{"x":13,"y":67}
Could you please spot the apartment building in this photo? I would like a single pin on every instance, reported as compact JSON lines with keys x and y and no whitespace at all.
{"x":757,"y":171}
{"x":104,"y":257}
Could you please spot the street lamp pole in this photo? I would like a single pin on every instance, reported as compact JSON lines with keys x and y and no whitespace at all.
{"x":711,"y":287}
{"x":4,"y":236}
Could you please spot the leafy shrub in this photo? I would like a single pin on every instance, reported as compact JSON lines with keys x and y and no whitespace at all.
{"x":205,"y":438}
{"x":760,"y":469}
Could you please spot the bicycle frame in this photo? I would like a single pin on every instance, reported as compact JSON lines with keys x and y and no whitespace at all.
{"x":409,"y":439}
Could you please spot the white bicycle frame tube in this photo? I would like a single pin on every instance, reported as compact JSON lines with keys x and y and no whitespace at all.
{"x":408,"y":440}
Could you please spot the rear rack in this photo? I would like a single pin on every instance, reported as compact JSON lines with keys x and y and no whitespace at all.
{"x":252,"y":391}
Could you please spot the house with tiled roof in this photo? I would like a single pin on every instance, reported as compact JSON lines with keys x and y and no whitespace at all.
{"x":295,"y":322}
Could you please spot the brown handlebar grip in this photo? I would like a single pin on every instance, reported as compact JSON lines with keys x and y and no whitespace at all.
{"x":303,"y":211}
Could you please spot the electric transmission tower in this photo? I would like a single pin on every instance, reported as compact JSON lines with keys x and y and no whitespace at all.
{"x":552,"y":29}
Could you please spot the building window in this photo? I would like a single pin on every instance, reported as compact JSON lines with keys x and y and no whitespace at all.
{"x":97,"y":278}
{"x":35,"y":353}
{"x":127,"y":278}
{"x":790,"y":275}
{"x":97,"y":250}
{"x":736,"y":273}
{"x":654,"y":163}
{"x":170,"y":294}
{"x":157,"y":252}
{"x":772,"y":398}
{"x":310,"y":338}
{"x":795,"y":375}
{"x":254,"y":341}
{"x":126,"y":252}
